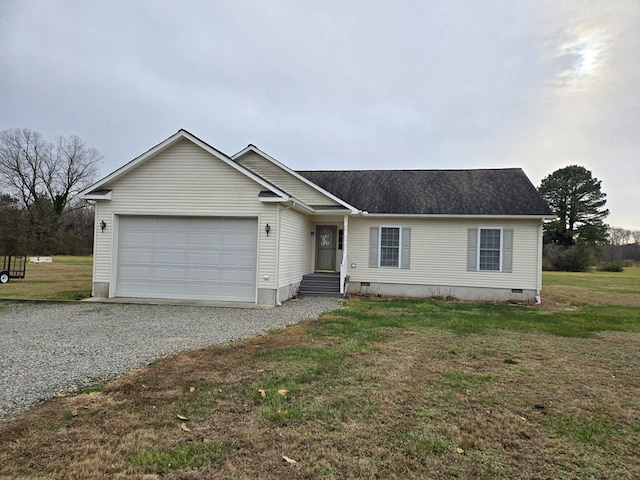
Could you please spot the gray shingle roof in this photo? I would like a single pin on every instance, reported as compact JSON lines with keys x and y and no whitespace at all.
{"x":505,"y":191}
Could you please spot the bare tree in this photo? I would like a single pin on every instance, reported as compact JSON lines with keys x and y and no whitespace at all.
{"x":618,"y":235}
{"x":618,"y":238}
{"x":45,"y":176}
{"x":636,"y":236}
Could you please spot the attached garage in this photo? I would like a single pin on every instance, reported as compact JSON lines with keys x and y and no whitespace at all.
{"x":191,"y":258}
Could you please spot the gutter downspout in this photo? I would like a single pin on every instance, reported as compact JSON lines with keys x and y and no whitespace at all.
{"x":278,"y":256}
{"x":345,"y":253}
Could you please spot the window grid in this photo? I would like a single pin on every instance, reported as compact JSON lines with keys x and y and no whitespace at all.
{"x":489,"y":251}
{"x":390,"y":246}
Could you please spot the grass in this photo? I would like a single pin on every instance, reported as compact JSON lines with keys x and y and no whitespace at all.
{"x":66,"y":278}
{"x":183,"y":456}
{"x":382,"y":388}
{"x":593,"y":287}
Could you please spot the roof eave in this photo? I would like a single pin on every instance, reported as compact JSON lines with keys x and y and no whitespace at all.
{"x":96,"y":196}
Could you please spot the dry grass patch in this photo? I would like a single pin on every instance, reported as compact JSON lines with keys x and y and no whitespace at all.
{"x":66,"y":278}
{"x":593,"y":287}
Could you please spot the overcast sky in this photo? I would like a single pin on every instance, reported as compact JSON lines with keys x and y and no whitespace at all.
{"x":339,"y":84}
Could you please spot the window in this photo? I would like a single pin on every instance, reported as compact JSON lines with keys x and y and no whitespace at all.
{"x":490,"y":250}
{"x":390,"y":247}
{"x":490,"y":241}
{"x":340,"y":239}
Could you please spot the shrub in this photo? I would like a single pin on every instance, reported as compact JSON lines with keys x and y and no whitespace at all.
{"x":575,"y":258}
{"x":611,"y":267}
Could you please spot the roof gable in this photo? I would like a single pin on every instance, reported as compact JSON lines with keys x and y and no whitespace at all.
{"x":100,"y":186}
{"x":289,"y":180}
{"x":435,"y":192}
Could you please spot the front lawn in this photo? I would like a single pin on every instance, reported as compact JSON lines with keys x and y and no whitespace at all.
{"x":382,"y":388}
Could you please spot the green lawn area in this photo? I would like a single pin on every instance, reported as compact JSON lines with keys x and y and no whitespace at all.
{"x":65,"y":278}
{"x":381,"y":388}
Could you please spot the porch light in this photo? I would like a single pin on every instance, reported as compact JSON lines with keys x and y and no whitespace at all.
{"x":103,"y":225}
{"x":267,"y":229}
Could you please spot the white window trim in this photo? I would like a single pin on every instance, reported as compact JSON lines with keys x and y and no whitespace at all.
{"x":380,"y":246}
{"x":501,"y":248}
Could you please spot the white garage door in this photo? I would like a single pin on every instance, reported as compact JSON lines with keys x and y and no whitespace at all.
{"x":187,"y":258}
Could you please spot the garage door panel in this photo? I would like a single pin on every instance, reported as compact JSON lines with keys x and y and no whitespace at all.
{"x":175,"y":258}
{"x":212,"y":277}
{"x":188,"y":258}
{"x":240,"y":262}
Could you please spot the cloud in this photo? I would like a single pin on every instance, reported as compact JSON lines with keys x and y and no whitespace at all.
{"x":333,"y":84}
{"x":586,"y":53}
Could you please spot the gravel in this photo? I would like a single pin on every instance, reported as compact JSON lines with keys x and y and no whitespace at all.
{"x":52,"y":348}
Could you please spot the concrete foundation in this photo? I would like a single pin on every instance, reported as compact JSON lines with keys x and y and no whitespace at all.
{"x":101,"y":289}
{"x":266,"y":296}
{"x":443,"y":291}
{"x":288,"y":291}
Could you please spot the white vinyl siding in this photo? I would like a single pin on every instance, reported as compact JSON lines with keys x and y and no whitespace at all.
{"x":439,"y":251}
{"x":284,"y":180}
{"x":295,"y":247}
{"x":183,"y":180}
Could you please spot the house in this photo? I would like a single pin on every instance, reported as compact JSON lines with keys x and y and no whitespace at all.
{"x":185,"y":221}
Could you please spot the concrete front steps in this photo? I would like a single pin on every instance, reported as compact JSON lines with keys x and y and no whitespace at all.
{"x":320,"y":285}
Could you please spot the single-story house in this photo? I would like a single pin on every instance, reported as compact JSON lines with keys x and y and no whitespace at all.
{"x":186,"y":221}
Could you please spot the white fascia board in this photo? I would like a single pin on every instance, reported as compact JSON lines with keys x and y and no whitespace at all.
{"x":273,"y":199}
{"x":97,"y":196}
{"x":292,"y":201}
{"x":166,"y":144}
{"x":320,"y":211}
{"x":254,"y":149}
{"x":490,"y":217}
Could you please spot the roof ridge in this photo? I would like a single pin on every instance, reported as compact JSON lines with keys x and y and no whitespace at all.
{"x":418,"y":170}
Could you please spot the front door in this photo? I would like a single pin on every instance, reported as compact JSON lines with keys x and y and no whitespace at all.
{"x":326,"y":248}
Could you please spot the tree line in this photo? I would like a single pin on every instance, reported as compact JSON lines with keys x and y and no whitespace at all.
{"x":40,"y":212}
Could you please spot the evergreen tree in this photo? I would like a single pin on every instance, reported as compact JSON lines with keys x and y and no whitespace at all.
{"x":577,"y":199}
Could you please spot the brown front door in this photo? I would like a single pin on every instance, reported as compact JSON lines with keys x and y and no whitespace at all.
{"x":326,"y":248}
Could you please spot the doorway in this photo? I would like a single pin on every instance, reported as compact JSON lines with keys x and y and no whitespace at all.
{"x":325,"y":248}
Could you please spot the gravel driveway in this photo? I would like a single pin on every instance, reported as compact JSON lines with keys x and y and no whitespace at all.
{"x":47,"y":349}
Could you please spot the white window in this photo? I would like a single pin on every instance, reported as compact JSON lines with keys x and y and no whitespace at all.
{"x":389,"y":247}
{"x":489,"y":249}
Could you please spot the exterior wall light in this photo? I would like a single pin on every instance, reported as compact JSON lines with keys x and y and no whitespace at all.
{"x":267,"y":229}
{"x":103,"y":225}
